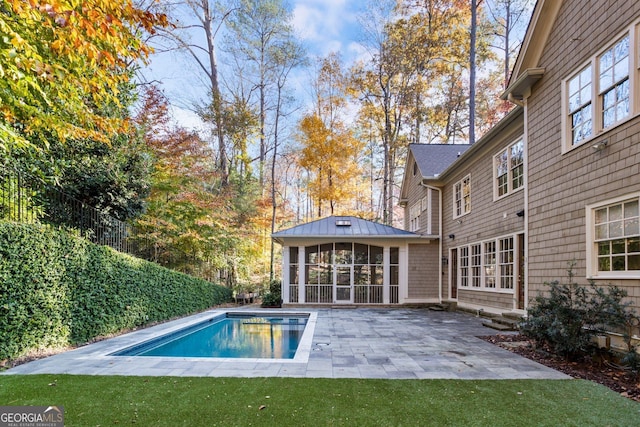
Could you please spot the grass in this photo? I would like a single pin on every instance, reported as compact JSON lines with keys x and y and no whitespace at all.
{"x":188,"y":401}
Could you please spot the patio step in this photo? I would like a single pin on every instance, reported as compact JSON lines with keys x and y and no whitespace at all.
{"x":506,"y":322}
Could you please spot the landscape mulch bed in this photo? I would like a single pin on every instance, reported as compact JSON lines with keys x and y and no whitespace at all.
{"x":597,"y":369}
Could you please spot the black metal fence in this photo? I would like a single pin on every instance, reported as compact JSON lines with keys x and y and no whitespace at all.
{"x":24,"y":198}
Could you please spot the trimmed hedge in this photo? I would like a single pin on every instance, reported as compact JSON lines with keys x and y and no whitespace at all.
{"x":58,"y":289}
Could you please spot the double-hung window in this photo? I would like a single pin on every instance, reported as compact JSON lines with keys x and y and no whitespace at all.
{"x":598,"y":96}
{"x":614,"y":83}
{"x":613,"y":238}
{"x":580,"y":106}
{"x":489,"y":265}
{"x":414,"y":216}
{"x":462,"y":197}
{"x":509,"y":169}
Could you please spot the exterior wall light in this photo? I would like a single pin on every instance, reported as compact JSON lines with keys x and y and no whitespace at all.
{"x":600,"y":145}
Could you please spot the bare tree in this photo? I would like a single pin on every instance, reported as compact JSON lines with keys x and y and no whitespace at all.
{"x":195,"y":27}
{"x":509,"y":18}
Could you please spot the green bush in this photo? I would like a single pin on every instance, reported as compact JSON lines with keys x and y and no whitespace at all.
{"x":273,"y":298}
{"x":570,"y":316}
{"x":57,"y":289}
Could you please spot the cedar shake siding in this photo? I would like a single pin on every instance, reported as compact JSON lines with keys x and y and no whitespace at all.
{"x":490,"y":219}
{"x":563,"y":183}
{"x":423,"y":282}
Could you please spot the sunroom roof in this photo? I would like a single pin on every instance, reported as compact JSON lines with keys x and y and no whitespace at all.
{"x":343,"y":226}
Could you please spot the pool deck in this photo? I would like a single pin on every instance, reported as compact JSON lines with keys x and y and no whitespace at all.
{"x":391,"y":343}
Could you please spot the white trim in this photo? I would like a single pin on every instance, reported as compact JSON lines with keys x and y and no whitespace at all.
{"x":455,"y":194}
{"x":482,"y":287}
{"x":510,"y":189}
{"x":597,"y":129}
{"x":591,"y":255}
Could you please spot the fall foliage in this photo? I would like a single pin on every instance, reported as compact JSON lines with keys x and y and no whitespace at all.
{"x":61,"y":60}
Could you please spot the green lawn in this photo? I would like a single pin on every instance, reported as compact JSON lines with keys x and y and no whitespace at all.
{"x":179,"y":401}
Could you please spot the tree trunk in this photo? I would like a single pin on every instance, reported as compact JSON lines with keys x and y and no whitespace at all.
{"x":472,"y":72}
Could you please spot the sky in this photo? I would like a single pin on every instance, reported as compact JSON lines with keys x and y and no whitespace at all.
{"x":323,"y":26}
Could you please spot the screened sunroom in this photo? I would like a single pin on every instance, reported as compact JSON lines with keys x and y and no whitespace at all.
{"x":344,"y":260}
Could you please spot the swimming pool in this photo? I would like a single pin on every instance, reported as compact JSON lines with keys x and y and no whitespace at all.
{"x":230,"y":335}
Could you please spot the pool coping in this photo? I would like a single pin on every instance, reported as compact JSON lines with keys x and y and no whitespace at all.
{"x":302,"y":352}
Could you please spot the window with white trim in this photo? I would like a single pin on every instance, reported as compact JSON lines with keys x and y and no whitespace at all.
{"x":509,"y":169}
{"x":580,"y":106}
{"x":414,"y":216}
{"x":476,"y":266}
{"x":462,"y":197}
{"x":489,"y":265}
{"x":464,"y":267}
{"x":614,"y":239}
{"x":507,"y":266}
{"x":598,"y":95}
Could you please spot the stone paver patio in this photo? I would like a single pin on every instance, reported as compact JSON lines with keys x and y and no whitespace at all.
{"x":392,"y":343}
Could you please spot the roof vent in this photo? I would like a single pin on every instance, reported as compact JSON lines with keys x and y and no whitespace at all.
{"x":343,"y":223}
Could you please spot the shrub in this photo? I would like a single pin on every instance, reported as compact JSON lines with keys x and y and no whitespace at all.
{"x":273,"y":298}
{"x":570,"y":316}
{"x":58,"y":289}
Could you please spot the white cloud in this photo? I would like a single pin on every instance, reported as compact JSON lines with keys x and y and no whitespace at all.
{"x":326,"y":26}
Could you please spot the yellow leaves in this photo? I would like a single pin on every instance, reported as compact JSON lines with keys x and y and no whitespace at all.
{"x":60,"y":58}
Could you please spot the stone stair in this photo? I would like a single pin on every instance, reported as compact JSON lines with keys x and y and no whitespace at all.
{"x":505,"y":322}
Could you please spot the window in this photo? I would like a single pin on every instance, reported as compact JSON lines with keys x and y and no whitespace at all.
{"x":598,"y":95}
{"x":614,"y":83}
{"x":476,"y":266}
{"x":507,"y":257}
{"x":414,"y":216}
{"x":580,"y":106}
{"x":462,"y":197}
{"x":489,"y":265}
{"x":464,"y":267}
{"x":614,"y":239}
{"x":509,"y":168}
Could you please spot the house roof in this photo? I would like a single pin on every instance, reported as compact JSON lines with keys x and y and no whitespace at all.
{"x":344,"y":227}
{"x":433,"y":159}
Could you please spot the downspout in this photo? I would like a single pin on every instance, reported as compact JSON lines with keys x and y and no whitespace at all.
{"x":522,"y":102}
{"x":526,"y":205}
{"x":439,"y":236}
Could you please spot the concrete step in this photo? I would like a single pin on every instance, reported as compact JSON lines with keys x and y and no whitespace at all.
{"x":510,"y":322}
{"x":499,"y":326}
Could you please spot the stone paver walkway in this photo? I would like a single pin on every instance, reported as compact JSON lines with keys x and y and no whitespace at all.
{"x":392,"y":343}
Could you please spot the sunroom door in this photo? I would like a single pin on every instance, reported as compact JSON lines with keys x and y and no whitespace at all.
{"x":344,"y":283}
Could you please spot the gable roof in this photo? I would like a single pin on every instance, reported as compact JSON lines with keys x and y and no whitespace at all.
{"x":344,"y":227}
{"x":433,"y":159}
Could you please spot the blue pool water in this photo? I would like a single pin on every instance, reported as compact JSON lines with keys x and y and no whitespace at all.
{"x":229,"y":335}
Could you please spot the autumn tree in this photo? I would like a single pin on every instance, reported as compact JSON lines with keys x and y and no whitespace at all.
{"x":260,"y":33}
{"x":331,"y":157}
{"x":408,"y":50}
{"x":60,"y":61}
{"x":185,"y":225}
